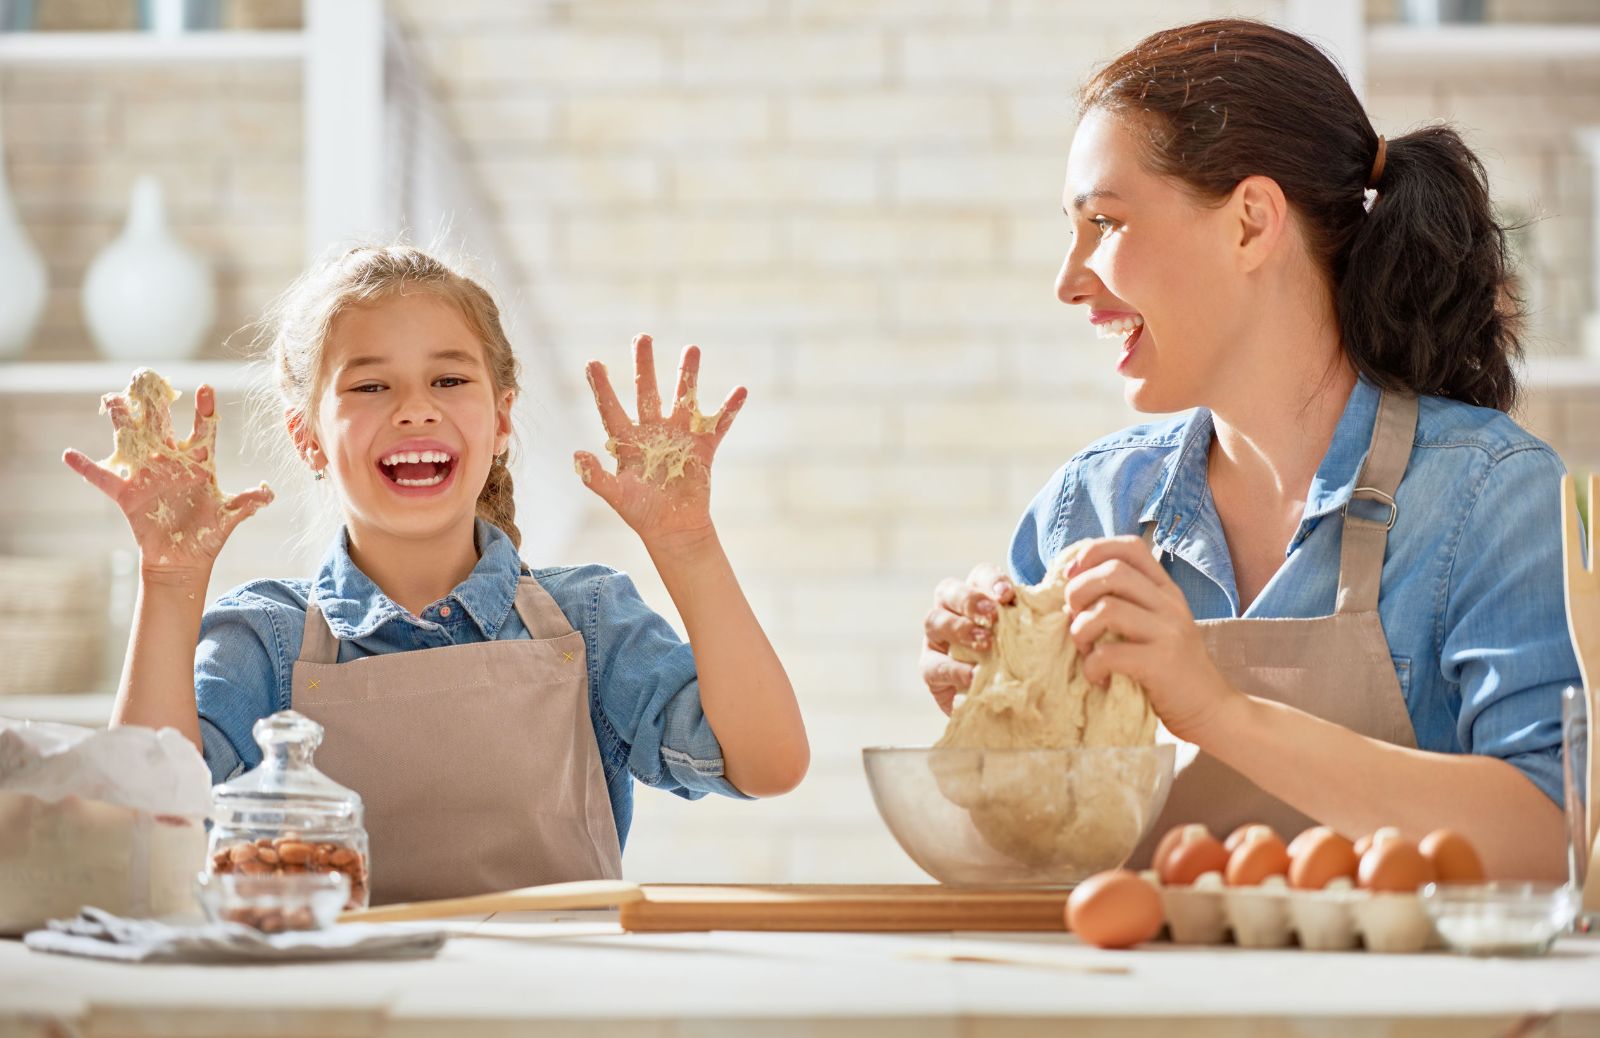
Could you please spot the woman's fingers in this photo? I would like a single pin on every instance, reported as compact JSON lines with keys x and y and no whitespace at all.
{"x":612,"y":416}
{"x":951,"y":621}
{"x":97,"y":475}
{"x":646,"y":393}
{"x":1115,"y":577}
{"x":1111,"y":616}
{"x":1127,"y":548}
{"x":944,"y":677}
{"x":686,"y":394}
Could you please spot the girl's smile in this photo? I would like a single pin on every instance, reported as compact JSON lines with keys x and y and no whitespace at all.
{"x":418,"y":468}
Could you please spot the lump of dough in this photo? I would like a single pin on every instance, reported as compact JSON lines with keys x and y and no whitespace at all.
{"x":1081,"y":814}
{"x":148,"y":431}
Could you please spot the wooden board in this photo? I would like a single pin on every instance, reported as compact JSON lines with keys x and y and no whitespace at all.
{"x":843,"y":908}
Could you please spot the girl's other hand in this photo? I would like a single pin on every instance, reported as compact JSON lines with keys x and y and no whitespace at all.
{"x":662,"y":486}
{"x":962,"y":619}
{"x":1117,"y":587}
{"x":179,"y":518}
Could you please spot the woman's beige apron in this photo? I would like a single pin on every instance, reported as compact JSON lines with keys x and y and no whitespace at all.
{"x":477,"y":763}
{"x":1336,"y":667}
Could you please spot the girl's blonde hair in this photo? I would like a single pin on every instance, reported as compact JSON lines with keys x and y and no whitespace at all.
{"x":297,"y":325}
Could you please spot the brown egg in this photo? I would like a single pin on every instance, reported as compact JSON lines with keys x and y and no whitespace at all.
{"x":1452,"y":856}
{"x":1236,"y":837}
{"x":1364,"y":843}
{"x":1169,"y":840}
{"x":1318,"y":857}
{"x":1115,"y":909}
{"x":1394,"y":865}
{"x":1259,"y":853}
{"x":1195,"y":853}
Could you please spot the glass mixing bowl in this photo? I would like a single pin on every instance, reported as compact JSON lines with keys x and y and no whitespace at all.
{"x":1018,"y":817}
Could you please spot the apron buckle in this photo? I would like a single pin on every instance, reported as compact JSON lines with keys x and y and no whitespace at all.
{"x":1394,"y":509}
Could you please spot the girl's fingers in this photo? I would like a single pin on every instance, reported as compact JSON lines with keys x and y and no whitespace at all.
{"x":684,"y":396}
{"x":98,"y":476}
{"x":1114,"y":578}
{"x":612,"y":416}
{"x":251,"y":501}
{"x":204,"y":435}
{"x":116,"y":405}
{"x":644,"y":380}
{"x":728,"y":412}
{"x":596,"y":478}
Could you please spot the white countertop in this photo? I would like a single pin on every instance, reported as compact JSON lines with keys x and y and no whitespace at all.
{"x":500,"y":975}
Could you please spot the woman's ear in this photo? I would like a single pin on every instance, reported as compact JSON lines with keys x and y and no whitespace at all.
{"x":1260,"y":213}
{"x":502,"y":420}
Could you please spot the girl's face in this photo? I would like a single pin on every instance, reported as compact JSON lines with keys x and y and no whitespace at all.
{"x":1154,"y":269}
{"x":409,"y":420}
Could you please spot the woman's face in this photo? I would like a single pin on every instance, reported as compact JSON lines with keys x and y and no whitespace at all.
{"x":1154,"y":269}
{"x":409,"y":419}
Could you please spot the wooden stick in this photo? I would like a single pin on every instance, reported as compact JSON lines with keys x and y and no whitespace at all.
{"x":596,"y":893}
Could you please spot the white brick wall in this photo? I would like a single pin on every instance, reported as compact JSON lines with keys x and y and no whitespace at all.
{"x":852,"y":205}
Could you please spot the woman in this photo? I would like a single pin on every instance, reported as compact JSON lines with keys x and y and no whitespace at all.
{"x":1353,"y":607}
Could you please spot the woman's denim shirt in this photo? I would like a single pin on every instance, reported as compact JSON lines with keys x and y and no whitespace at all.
{"x":1470,"y":600}
{"x":644,"y":697}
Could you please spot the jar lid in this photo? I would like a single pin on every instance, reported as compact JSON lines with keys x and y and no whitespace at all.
{"x":286,"y":791}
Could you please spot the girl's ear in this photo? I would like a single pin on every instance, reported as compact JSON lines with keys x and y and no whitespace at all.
{"x":305,"y":444}
{"x":502,"y":420}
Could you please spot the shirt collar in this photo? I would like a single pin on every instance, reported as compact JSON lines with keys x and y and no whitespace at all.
{"x":1180,"y":493}
{"x":355,"y":606}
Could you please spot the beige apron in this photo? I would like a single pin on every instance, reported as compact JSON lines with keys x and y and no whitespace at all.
{"x":1335,"y":667}
{"x":477,"y":763}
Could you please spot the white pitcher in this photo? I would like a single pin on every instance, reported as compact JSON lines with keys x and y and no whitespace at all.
{"x":148,"y":297}
{"x":22,"y":272}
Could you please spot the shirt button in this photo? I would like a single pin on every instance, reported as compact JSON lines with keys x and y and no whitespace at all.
{"x":444,"y":610}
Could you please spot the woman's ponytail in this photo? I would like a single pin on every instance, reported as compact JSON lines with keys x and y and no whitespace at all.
{"x":1426,"y":297}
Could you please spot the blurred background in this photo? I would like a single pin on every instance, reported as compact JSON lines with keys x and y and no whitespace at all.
{"x":853,"y":206}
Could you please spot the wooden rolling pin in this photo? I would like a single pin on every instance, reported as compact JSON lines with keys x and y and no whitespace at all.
{"x":594,"y":893}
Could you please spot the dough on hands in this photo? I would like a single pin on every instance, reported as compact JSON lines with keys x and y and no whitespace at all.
{"x":1029,"y":693}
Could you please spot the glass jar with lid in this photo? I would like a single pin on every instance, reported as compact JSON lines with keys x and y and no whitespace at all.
{"x":286,"y":817}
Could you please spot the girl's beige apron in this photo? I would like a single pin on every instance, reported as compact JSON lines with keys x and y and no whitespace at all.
{"x":1336,"y":667}
{"x":477,"y":763}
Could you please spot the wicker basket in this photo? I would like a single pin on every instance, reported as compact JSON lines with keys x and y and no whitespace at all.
{"x":53,"y":622}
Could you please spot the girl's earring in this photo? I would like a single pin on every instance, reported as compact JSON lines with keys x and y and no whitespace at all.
{"x":318,"y":474}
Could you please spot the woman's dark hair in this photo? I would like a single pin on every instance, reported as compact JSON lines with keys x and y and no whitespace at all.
{"x":1426,"y":298}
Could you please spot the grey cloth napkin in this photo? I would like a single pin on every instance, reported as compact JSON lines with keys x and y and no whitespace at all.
{"x":101,"y":935}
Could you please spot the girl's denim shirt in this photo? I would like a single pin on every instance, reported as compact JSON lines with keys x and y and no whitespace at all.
{"x":1470,"y":601}
{"x":644,"y":696}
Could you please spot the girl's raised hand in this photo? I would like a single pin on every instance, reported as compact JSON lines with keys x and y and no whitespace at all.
{"x":179,"y":518}
{"x":662,"y":486}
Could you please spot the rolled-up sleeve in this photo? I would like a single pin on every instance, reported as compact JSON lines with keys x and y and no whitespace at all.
{"x":650,"y":693}
{"x":1505,"y":641}
{"x":236,"y":681}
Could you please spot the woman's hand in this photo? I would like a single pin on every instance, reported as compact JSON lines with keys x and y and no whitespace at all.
{"x":662,"y":486}
{"x":1116,"y":587}
{"x":179,"y":518}
{"x":960,"y":621}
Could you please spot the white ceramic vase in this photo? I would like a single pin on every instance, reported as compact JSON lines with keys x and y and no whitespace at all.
{"x":22,"y":272}
{"x":147,"y":297}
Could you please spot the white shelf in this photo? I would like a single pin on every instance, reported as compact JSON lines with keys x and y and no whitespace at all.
{"x":90,"y":709}
{"x":94,"y":377}
{"x":48,"y":48}
{"x":1561,"y":373}
{"x":1391,"y":45}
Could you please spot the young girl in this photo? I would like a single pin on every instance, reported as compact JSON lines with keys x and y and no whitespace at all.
{"x":1354,"y":604}
{"x":492,"y":718}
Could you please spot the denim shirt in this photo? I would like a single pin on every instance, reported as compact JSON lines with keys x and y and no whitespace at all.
{"x":644,"y":696}
{"x":1470,"y":599}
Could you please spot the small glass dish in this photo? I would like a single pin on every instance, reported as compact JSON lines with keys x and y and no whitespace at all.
{"x":1500,"y":918}
{"x":273,"y":903}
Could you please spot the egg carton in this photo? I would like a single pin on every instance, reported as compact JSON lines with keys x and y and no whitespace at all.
{"x":1272,"y":915}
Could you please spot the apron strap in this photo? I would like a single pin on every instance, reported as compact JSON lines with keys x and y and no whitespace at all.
{"x":317,"y":644}
{"x":539,"y":612}
{"x":1364,"y":540}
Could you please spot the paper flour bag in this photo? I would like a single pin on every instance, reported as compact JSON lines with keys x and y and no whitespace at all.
{"x":114,"y":819}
